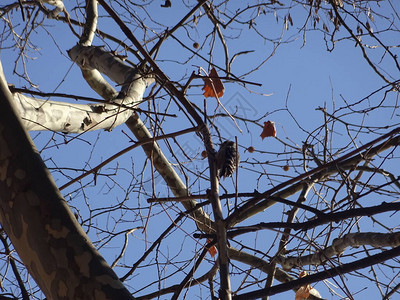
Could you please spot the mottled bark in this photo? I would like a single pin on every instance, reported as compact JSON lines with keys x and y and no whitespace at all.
{"x":47,"y":237}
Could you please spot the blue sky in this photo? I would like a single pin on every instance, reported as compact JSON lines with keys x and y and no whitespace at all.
{"x":314,"y":76}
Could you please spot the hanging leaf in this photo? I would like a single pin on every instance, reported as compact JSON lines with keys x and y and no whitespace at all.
{"x":213,"y":86}
{"x":268,"y":130}
{"x":339,"y":3}
{"x":286,"y":23}
{"x":330,"y":12}
{"x":369,"y":27}
{"x":305,"y":291}
{"x":290,"y":20}
{"x":370,"y":16}
{"x":213,"y":250}
{"x":336,"y":21}
{"x":359,"y":30}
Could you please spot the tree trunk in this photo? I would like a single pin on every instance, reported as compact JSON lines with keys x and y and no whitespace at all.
{"x":47,"y":237}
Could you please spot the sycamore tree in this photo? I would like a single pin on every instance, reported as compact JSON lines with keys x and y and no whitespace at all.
{"x":199,"y":149}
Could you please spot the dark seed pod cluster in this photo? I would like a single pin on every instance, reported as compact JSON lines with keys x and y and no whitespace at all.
{"x":226,"y":159}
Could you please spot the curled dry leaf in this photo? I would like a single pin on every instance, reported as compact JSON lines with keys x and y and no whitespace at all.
{"x":213,"y":250}
{"x":268,"y":130}
{"x":305,"y":291}
{"x":213,"y":86}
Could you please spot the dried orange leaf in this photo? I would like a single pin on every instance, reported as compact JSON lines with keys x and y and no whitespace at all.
{"x":212,"y":250}
{"x":268,"y":130}
{"x":305,"y":291}
{"x":213,"y":86}
{"x":303,"y":274}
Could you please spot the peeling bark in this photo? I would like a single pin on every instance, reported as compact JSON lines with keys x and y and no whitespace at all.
{"x":43,"y":230}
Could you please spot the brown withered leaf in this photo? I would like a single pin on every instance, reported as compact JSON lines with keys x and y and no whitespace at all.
{"x":305,"y":291}
{"x":213,"y":250}
{"x":268,"y":130}
{"x":213,"y":86}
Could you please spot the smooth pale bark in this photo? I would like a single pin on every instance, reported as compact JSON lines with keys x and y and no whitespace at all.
{"x":46,"y":235}
{"x":39,"y":114}
{"x":59,"y":7}
{"x":91,"y":57}
{"x":339,"y":245}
